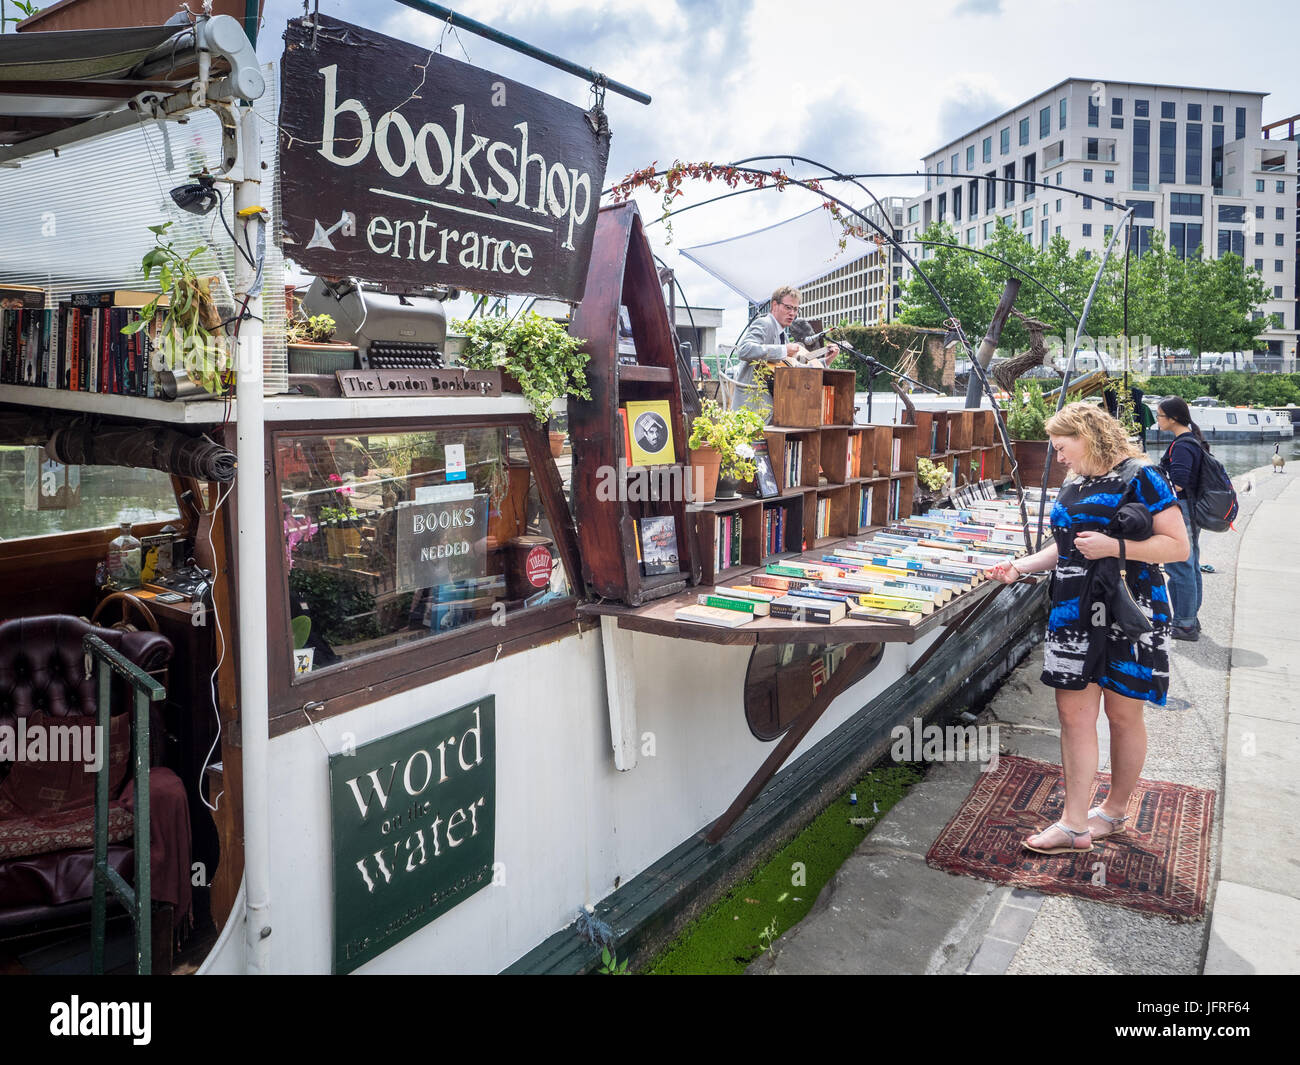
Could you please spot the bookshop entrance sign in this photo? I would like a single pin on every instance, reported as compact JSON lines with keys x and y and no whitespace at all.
{"x":402,"y":165}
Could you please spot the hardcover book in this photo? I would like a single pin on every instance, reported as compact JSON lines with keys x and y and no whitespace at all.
{"x":712,"y":615}
{"x":658,"y":537}
{"x":650,"y":425}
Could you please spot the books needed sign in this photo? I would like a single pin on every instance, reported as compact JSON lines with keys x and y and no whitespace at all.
{"x":401,"y":165}
{"x":414,"y":828}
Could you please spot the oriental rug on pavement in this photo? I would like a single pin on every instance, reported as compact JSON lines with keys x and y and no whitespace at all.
{"x":1159,"y":862}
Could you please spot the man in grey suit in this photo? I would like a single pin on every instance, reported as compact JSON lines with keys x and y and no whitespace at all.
{"x":766,"y":340}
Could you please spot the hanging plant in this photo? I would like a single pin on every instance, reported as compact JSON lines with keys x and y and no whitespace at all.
{"x":189,"y":328}
{"x":538,"y":352}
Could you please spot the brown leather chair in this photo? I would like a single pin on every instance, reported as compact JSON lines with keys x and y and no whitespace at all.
{"x":42,"y":676}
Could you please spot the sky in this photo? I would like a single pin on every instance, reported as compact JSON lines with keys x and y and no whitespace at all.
{"x":862,"y":86}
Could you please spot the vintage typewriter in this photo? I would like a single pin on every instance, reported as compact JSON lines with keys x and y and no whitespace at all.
{"x":395,"y":327}
{"x":401,"y":355}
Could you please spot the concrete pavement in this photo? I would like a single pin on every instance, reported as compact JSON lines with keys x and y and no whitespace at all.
{"x":886,"y":911}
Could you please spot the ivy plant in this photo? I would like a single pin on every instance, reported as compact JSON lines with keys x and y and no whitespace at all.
{"x":538,"y":352}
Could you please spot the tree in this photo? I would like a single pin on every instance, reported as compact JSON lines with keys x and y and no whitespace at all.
{"x":1155,"y":282}
{"x":1010,"y":244}
{"x":960,"y":280}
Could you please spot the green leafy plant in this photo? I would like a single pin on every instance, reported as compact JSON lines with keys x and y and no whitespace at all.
{"x":301,"y":628}
{"x":610,"y":965}
{"x":318,"y":329}
{"x":732,"y":433}
{"x":768,"y":934}
{"x":931,"y":474}
{"x":1027,"y":414}
{"x":27,"y":9}
{"x":190,"y":323}
{"x":537,"y":352}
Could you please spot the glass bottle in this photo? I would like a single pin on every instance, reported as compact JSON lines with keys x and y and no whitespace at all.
{"x":124,"y":558}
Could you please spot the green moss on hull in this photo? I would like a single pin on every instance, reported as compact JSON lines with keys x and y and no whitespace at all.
{"x":734,"y":931}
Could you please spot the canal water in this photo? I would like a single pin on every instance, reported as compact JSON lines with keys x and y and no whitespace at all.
{"x":1238,"y":458}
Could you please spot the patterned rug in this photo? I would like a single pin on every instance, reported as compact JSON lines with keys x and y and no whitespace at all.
{"x":1159,"y":864}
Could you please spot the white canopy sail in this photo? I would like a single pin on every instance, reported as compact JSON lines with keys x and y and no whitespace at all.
{"x":792,"y":252}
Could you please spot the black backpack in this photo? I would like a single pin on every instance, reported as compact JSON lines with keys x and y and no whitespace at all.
{"x":1214,"y":502}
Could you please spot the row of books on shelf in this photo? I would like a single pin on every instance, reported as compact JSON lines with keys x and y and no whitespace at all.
{"x":853,"y":459}
{"x":899,"y":575}
{"x":726,"y":536}
{"x":865,"y":499}
{"x":828,"y":404}
{"x":793,"y":462}
{"x":823,"y":525}
{"x":776,"y":522}
{"x":78,"y":345}
{"x":895,"y":500}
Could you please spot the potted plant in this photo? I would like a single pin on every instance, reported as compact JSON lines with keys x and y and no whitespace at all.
{"x":312,"y":348}
{"x":535,"y":354}
{"x":302,"y":654}
{"x":556,"y":436}
{"x":721,"y":450}
{"x":931,"y":478}
{"x":338,"y":518}
{"x":1027,"y":416}
{"x":183,"y":318}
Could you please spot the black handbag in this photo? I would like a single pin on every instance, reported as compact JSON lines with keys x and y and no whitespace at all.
{"x":1123,"y":608}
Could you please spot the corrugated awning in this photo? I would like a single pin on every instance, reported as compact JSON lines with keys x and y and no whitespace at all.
{"x":49,"y":81}
{"x":792,"y":252}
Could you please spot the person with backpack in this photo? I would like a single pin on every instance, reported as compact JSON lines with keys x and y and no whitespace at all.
{"x":1182,"y":463}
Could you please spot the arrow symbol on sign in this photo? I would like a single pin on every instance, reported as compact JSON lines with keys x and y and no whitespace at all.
{"x":320,"y":237}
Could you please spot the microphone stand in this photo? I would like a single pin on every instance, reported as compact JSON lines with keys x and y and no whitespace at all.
{"x":874,"y":367}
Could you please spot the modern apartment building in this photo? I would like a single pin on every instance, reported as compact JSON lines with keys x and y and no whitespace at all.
{"x":1192,"y":160}
{"x":867,"y":289}
{"x":1289,"y":129}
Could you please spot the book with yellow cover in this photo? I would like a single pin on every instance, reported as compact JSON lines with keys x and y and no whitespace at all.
{"x":650,"y":427}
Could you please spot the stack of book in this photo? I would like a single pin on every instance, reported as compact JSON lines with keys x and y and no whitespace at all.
{"x":896,"y":455}
{"x":828,"y":404}
{"x":823,"y":518}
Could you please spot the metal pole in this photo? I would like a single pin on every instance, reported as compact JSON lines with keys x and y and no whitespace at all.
{"x":254,"y":711}
{"x":460,"y":22}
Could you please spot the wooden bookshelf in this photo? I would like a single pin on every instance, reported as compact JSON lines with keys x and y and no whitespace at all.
{"x":622,"y":272}
{"x":753,"y":552}
{"x":798,"y":399}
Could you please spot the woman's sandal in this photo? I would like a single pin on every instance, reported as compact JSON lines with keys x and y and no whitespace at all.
{"x":1071,"y":849}
{"x":1116,"y":823}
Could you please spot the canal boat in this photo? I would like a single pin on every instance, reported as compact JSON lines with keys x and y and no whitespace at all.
{"x":402,"y":699}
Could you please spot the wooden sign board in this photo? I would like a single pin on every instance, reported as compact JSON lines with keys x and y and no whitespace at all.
{"x":401,"y":165}
{"x":397,"y":383}
{"x":414,"y":828}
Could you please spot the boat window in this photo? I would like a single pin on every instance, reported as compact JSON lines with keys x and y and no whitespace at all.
{"x":1253,"y":419}
{"x":783,"y":679}
{"x":394,"y":538}
{"x":1232,"y":418}
{"x":40,"y":496}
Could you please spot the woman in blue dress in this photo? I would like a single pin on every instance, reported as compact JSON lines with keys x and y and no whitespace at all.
{"x":1084,"y":652}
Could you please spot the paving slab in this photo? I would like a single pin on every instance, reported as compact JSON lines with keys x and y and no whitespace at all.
{"x":1261,"y":805}
{"x":1258,"y":694}
{"x":1244,"y":938}
{"x":884,"y":913}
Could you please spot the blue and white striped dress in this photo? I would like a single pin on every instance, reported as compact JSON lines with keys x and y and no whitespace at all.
{"x":1138,"y":668}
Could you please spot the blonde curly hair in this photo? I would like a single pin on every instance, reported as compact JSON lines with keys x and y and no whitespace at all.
{"x":1104,"y":439}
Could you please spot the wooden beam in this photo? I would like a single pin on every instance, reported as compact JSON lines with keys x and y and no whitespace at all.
{"x":855,"y":658}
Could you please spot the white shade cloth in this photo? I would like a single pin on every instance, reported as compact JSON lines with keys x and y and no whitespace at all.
{"x":792,"y":252}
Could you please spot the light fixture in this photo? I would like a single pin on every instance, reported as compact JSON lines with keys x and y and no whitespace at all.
{"x":198,"y":197}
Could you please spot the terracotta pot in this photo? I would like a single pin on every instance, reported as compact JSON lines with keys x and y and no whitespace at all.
{"x":705,"y":463}
{"x":1031,"y":455}
{"x":557,"y":445}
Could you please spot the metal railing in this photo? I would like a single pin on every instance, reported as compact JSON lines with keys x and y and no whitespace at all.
{"x":106,"y":662}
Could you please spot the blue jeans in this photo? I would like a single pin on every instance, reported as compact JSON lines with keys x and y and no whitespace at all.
{"x":1184,"y":578}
